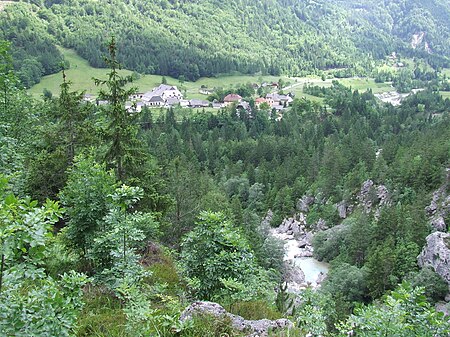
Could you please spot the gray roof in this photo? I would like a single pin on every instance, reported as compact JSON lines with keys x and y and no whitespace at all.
{"x":158,"y":91}
{"x":218,"y":105}
{"x":243,"y":105}
{"x":198,"y":102}
{"x":172,"y":101}
{"x":156,"y":99}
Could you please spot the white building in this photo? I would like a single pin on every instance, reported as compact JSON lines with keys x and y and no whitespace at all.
{"x":160,"y":95}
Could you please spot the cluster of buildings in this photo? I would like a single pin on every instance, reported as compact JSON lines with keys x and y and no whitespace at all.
{"x":166,"y":96}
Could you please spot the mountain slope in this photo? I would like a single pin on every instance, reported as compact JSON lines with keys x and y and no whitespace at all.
{"x":406,"y":20}
{"x":207,"y":37}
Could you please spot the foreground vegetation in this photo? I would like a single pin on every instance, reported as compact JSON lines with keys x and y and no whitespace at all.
{"x":136,"y":215}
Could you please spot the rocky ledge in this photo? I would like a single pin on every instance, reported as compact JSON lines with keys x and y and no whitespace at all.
{"x":439,"y":208}
{"x":436,"y":254}
{"x":258,"y":328}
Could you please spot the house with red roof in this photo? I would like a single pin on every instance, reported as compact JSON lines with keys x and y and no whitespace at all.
{"x":232,"y":98}
{"x":260,"y":100}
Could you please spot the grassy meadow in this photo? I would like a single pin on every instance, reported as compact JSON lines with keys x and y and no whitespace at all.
{"x":81,"y":74}
{"x":363,"y":84}
{"x":446,"y":71}
{"x":445,"y":94}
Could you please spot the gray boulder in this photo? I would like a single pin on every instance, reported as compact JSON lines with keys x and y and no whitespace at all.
{"x":290,"y":226}
{"x":439,"y":208}
{"x":365,"y":196}
{"x":321,"y":278}
{"x":294,"y":276}
{"x":304,"y":203}
{"x":307,"y":251}
{"x":443,"y":307}
{"x":320,"y":225}
{"x":433,"y":206}
{"x":371,"y":195}
{"x":436,"y":254}
{"x":342,"y":209}
{"x":383,"y":195}
{"x":438,"y":224}
{"x":258,"y":328}
{"x":301,"y":217}
{"x":306,"y":240}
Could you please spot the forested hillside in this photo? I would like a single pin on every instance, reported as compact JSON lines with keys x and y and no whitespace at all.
{"x":204,"y":38}
{"x":137,"y":215}
{"x":117,"y":221}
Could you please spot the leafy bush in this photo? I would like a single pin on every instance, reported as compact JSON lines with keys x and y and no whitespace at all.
{"x":214,"y":251}
{"x":32,"y":303}
{"x":403,"y":313}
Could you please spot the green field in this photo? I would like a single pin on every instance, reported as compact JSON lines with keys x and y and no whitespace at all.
{"x":363,"y":84}
{"x":445,"y":94}
{"x":81,"y":74}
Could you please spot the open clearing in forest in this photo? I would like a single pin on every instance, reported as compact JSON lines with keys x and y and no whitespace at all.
{"x":3,"y":4}
{"x":445,"y":94}
{"x":81,"y":74}
{"x":446,"y":71}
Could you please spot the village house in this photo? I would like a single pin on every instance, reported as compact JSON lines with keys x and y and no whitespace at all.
{"x":136,"y":96}
{"x":260,"y":100}
{"x":88,"y":98}
{"x":134,"y":107}
{"x":184,"y":103}
{"x":160,"y":96}
{"x":198,"y":103}
{"x":278,"y":100}
{"x":218,"y":105}
{"x":172,"y":101}
{"x":232,"y":98}
{"x":154,"y":101}
{"x":243,"y":106}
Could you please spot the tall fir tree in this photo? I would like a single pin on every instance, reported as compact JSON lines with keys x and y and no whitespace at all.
{"x":121,"y":132}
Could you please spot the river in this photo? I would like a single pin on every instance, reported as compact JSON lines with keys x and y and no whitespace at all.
{"x":312,"y":269}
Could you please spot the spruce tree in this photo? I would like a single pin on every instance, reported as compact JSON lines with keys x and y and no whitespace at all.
{"x":121,"y":133}
{"x":72,"y":119}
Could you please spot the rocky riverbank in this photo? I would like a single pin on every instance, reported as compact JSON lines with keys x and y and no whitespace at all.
{"x":301,"y":269}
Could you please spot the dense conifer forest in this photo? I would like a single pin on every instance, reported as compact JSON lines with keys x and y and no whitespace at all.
{"x":113,"y":222}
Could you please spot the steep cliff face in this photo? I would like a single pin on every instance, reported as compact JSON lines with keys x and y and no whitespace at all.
{"x":436,"y":254}
{"x":439,"y":208}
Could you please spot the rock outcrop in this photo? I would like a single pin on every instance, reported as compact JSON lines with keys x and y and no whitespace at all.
{"x":342,"y":209}
{"x":439,"y":208}
{"x":436,"y":254}
{"x":304,"y":203}
{"x":372,"y":195}
{"x":258,"y":328}
{"x":290,"y":226}
{"x":294,"y":275}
